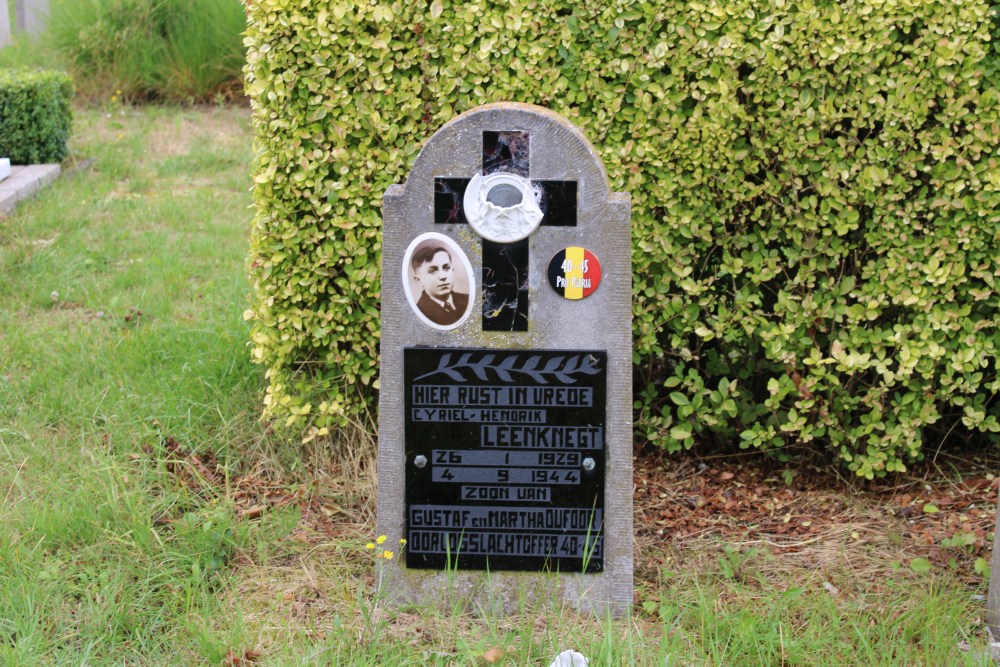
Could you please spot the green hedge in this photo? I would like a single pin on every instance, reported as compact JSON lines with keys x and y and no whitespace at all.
{"x":35,"y":115}
{"x":814,"y":188}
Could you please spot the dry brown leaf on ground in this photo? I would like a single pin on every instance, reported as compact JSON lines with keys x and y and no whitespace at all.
{"x":244,"y":659}
{"x":493,"y":655}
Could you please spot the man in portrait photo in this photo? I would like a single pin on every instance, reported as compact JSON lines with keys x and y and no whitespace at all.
{"x":434,"y":272}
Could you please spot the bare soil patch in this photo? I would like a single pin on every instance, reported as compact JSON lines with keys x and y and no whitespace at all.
{"x":686,"y":506}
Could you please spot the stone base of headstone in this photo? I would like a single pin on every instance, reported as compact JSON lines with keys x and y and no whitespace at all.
{"x":490,"y":594}
{"x":993,"y":649}
{"x":993,"y":597}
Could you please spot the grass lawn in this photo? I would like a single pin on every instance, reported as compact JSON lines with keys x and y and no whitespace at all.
{"x":148,"y":518}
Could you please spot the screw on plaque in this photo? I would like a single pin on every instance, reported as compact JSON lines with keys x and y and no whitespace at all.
{"x":420,"y":461}
{"x":589,"y":464}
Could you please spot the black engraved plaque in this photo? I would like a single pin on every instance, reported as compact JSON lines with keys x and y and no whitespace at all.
{"x":505,"y":459}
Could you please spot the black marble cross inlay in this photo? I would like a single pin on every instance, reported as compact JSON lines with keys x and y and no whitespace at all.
{"x":505,"y":265}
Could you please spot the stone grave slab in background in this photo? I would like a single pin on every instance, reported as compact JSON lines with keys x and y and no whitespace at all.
{"x":4,"y":23}
{"x":505,"y":434}
{"x":25,"y":181}
{"x":31,"y":16}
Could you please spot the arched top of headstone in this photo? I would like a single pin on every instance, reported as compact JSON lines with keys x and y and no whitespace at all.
{"x":534,"y":142}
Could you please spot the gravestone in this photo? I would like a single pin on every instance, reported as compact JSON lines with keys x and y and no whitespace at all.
{"x":31,"y":15}
{"x":4,"y":23}
{"x":505,"y":434}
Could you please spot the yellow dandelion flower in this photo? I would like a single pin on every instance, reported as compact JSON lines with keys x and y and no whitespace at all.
{"x":369,"y":546}
{"x":402,"y":543}
{"x":380,"y":539}
{"x":387,"y":554}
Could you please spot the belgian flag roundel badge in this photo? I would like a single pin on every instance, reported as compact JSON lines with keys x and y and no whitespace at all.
{"x":574,"y":273}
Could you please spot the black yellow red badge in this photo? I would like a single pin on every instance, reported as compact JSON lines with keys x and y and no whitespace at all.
{"x":574,"y":273}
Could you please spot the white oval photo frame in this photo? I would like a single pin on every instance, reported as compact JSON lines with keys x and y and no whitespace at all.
{"x":460,"y":264}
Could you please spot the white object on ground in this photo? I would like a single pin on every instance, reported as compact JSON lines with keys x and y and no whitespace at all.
{"x":4,"y":167}
{"x":570,"y":659}
{"x":994,"y":644}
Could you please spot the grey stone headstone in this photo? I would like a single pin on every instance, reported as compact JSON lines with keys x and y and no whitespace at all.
{"x":515,"y":531}
{"x":4,"y":23}
{"x":31,"y":15}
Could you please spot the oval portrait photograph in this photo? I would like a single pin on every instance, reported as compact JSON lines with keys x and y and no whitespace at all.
{"x":438,"y":281}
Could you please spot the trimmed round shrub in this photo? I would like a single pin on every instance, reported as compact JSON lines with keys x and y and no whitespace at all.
{"x":35,"y":115}
{"x":814,"y":189}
